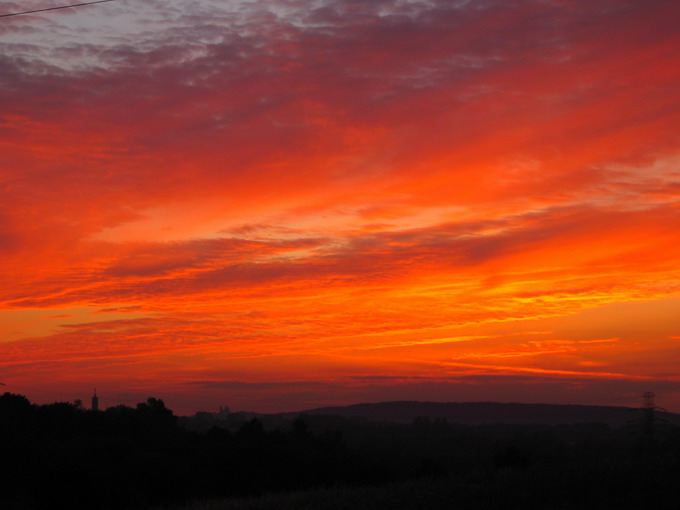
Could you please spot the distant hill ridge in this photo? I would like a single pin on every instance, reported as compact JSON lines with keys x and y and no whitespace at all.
{"x":478,"y":413}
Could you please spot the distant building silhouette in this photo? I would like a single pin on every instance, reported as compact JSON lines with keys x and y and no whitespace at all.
{"x":224,"y":412}
{"x":95,"y":401}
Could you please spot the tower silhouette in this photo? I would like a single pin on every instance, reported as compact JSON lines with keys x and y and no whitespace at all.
{"x":95,"y":401}
{"x":649,"y":408}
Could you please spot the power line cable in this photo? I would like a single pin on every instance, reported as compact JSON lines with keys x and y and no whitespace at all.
{"x":54,"y":8}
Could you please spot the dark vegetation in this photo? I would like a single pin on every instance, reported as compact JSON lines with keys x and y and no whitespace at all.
{"x":62,"y":456}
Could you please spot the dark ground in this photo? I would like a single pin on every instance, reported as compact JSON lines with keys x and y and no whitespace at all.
{"x":61,"y":456}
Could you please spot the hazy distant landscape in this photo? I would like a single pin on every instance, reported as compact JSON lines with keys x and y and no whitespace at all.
{"x":476,"y":413}
{"x":464,"y":413}
{"x":389,"y":455}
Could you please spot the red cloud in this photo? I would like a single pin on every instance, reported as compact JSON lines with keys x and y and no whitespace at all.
{"x":297,"y":183}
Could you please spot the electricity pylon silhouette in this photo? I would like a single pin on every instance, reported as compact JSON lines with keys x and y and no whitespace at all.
{"x":649,"y":409}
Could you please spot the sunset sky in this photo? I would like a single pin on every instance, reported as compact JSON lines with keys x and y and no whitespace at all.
{"x":284,"y":204}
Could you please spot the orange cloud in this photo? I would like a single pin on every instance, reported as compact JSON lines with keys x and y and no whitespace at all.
{"x":332,"y":192}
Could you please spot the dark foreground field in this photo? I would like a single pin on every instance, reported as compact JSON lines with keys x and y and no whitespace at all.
{"x":509,"y":490}
{"x":61,"y":456}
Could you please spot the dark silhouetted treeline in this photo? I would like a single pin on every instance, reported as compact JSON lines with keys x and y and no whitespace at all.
{"x":62,"y":456}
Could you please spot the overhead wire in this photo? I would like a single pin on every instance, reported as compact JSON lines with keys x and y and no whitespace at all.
{"x":54,"y":8}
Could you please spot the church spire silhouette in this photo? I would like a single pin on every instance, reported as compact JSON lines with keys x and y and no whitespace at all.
{"x":95,"y":401}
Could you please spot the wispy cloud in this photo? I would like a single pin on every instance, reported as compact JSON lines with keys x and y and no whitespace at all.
{"x":272,"y":186}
